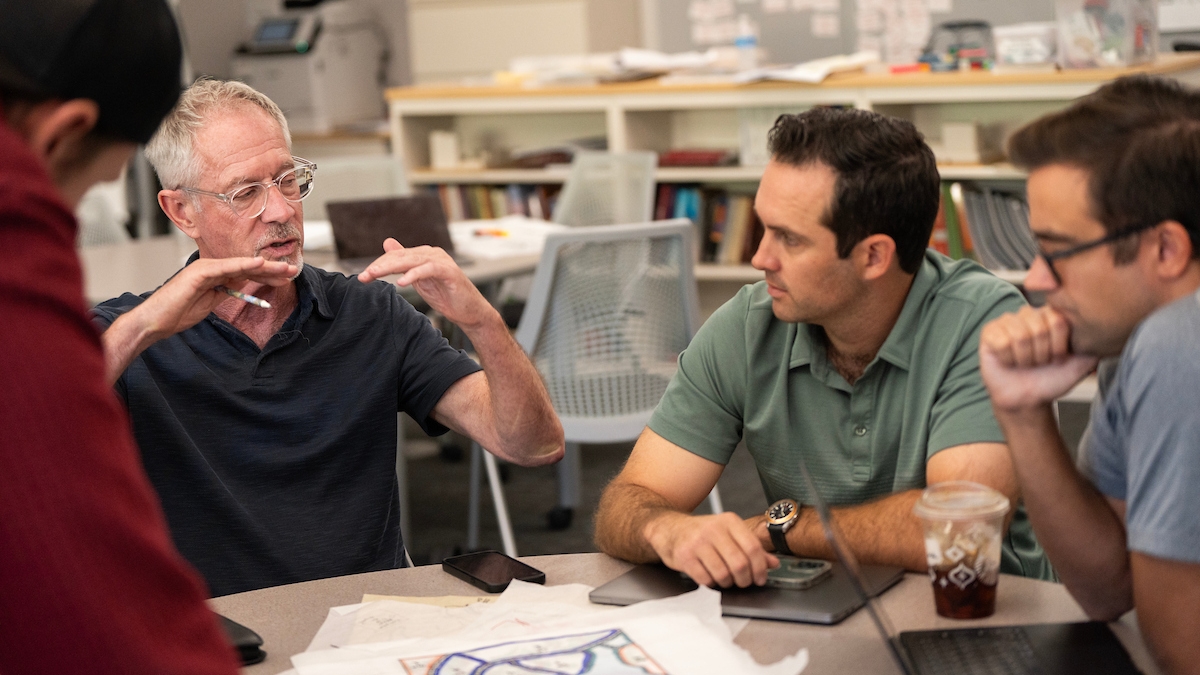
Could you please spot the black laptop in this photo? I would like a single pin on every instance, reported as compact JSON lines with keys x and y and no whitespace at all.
{"x":1041,"y":649}
{"x":360,"y":227}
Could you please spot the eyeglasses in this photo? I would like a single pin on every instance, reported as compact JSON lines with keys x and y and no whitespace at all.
{"x":250,"y":200}
{"x":1088,"y":245}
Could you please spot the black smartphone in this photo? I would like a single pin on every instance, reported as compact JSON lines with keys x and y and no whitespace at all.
{"x":247,"y":642}
{"x":491,"y":570}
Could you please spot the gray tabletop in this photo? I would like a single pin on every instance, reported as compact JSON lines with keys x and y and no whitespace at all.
{"x":287,"y":617}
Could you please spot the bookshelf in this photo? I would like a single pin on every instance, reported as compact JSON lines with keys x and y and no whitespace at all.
{"x":659,"y":115}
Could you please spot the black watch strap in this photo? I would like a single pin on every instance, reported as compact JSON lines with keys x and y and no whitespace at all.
{"x":779,"y":539}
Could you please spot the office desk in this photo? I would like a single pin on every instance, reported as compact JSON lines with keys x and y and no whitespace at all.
{"x":287,"y":617}
{"x":144,"y":264}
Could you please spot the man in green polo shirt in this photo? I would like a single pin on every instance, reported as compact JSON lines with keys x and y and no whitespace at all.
{"x":859,"y":351}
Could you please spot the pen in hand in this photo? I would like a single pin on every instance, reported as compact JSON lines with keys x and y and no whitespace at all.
{"x":245,"y":297}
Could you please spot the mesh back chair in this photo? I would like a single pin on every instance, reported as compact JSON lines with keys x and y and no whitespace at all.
{"x":606,"y":188}
{"x":350,"y":178}
{"x":102,"y":214}
{"x":610,"y":310}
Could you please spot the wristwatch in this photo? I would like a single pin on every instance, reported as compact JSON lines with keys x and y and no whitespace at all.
{"x":781,"y":517}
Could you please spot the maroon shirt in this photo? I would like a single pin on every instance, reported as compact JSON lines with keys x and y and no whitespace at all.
{"x":89,"y":580}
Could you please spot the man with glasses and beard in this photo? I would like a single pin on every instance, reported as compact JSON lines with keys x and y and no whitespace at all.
{"x":1115,"y":208}
{"x":268,"y":427}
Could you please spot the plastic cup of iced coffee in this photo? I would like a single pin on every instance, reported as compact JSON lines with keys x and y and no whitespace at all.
{"x":964,"y":523}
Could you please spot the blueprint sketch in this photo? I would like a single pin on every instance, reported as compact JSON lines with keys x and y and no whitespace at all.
{"x":604,"y":652}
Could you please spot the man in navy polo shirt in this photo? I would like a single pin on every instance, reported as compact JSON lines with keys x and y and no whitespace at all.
{"x":270,"y":432}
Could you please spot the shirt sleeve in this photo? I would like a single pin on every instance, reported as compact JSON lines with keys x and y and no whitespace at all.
{"x":1154,"y":412}
{"x":962,"y":411}
{"x":103,"y":316}
{"x":428,"y":364}
{"x":701,"y":410}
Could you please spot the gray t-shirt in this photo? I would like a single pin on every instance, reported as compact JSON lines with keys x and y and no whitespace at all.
{"x":1143,"y":444}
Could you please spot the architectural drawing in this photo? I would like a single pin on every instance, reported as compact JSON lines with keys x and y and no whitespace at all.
{"x":603,"y":652}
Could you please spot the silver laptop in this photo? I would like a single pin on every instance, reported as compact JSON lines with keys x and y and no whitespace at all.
{"x":828,"y":602}
{"x":360,"y":227}
{"x":1041,"y":649}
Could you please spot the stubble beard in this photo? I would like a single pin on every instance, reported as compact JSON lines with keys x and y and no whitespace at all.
{"x":276,"y":231}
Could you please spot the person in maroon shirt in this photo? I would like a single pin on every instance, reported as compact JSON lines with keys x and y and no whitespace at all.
{"x":89,"y":580}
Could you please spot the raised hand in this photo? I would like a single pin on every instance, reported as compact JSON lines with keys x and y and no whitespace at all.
{"x":195,"y":291}
{"x":1025,"y":358}
{"x":435,"y":276}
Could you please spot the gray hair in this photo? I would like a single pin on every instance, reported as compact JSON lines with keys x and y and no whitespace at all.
{"x":171,"y":151}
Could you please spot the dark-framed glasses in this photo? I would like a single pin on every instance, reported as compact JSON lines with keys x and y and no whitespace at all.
{"x":1087,"y":246}
{"x":250,"y":199}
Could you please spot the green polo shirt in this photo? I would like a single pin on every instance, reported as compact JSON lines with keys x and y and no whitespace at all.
{"x":747,"y":375}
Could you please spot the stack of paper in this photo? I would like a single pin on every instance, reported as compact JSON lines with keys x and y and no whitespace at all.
{"x":534,"y":629}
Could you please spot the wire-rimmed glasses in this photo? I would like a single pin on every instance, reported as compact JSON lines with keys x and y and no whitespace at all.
{"x":1088,"y":245}
{"x":250,"y":200}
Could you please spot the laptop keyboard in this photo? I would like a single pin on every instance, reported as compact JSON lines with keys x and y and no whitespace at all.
{"x":991,"y":651}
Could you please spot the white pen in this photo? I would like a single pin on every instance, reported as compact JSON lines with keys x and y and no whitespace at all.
{"x":245,"y":297}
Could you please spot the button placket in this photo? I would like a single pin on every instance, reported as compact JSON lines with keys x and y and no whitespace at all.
{"x":862,"y":400}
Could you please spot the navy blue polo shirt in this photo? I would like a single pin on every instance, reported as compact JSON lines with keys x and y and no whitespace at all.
{"x":278,"y":465}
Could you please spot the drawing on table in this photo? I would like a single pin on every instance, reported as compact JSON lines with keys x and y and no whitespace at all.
{"x":604,"y":652}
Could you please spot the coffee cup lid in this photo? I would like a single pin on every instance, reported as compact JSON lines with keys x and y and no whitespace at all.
{"x":960,"y":500}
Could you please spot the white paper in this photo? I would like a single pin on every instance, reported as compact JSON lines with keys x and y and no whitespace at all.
{"x":501,"y":237}
{"x":826,"y":25}
{"x":774,"y":6}
{"x":683,"y":634}
{"x":812,"y":71}
{"x":940,"y":5}
{"x":388,"y":620}
{"x":869,"y":21}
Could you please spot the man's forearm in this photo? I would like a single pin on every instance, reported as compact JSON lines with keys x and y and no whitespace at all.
{"x":525,"y":420}
{"x":882,"y":532}
{"x":123,"y":341}
{"x":621,"y":519}
{"x":1082,"y":536}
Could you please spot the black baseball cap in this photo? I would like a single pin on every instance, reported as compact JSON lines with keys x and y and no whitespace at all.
{"x":122,"y":54}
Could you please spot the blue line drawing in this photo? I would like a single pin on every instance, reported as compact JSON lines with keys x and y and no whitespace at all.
{"x":604,"y":652}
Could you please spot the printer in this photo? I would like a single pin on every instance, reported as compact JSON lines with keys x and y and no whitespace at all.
{"x":321,"y":61}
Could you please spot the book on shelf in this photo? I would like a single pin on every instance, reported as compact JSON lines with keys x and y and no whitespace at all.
{"x":697,"y":157}
{"x":473,"y":202}
{"x":728,"y":231}
{"x":993,"y":224}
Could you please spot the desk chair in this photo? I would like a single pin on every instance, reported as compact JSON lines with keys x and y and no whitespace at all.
{"x":606,"y":188}
{"x":102,"y":214}
{"x":610,"y":310}
{"x":351,"y":178}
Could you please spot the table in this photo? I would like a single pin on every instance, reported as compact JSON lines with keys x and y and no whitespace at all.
{"x":287,"y":617}
{"x":142,"y":265}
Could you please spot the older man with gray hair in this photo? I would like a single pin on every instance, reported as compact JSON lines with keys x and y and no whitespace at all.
{"x":269,"y":429}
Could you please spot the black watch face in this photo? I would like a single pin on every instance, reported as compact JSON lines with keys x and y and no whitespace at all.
{"x":781,"y":510}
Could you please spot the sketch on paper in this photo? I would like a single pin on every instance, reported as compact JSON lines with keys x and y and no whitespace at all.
{"x":604,"y":652}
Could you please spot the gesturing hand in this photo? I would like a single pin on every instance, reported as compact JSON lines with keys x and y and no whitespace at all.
{"x":1025,"y":358}
{"x":193,"y":293}
{"x":718,"y":549}
{"x":436,"y":277}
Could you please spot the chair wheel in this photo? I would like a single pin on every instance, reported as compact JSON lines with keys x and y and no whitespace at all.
{"x":559,"y":517}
